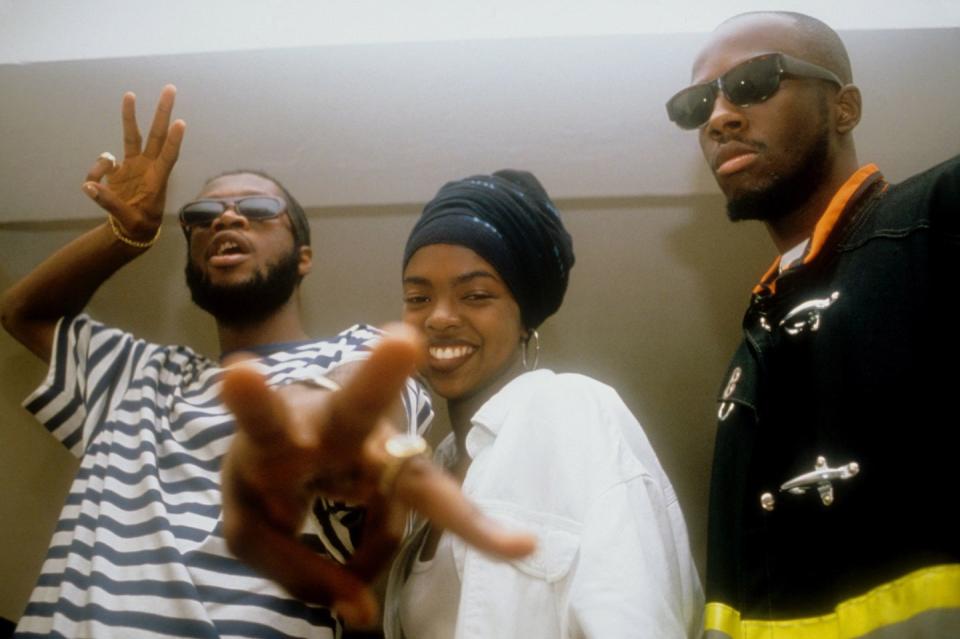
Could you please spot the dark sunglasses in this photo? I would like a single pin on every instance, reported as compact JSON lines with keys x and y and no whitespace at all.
{"x":750,"y":82}
{"x":257,"y":207}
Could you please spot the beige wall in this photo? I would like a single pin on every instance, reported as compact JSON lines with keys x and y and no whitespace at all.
{"x":653,"y":309}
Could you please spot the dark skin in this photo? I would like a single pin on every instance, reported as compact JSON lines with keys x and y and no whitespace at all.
{"x":471,"y":333}
{"x":292,"y":444}
{"x":782,"y":124}
{"x":260,"y":242}
{"x":63,"y":284}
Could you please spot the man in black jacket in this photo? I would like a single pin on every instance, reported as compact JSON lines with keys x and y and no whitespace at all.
{"x":831,"y":497}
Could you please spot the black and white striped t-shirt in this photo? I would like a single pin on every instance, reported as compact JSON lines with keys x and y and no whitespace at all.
{"x":138,"y":550}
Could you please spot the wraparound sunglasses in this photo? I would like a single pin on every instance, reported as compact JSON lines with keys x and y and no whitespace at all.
{"x":750,"y":82}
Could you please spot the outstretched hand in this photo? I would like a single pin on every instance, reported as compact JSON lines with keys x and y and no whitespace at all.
{"x":296,"y":442}
{"x":135,"y":190}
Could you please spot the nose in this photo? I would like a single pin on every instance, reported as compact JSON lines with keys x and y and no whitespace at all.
{"x":443,"y":316}
{"x":726,"y":118}
{"x":230,"y":218}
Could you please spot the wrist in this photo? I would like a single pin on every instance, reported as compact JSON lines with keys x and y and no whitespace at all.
{"x":140,"y":240}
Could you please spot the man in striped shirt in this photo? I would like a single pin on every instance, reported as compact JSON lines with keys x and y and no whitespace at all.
{"x":140,"y":547}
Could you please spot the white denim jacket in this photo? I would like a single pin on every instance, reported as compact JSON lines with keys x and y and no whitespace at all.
{"x":563,"y":457}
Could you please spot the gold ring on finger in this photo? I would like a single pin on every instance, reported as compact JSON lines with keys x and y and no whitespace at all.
{"x":400,"y":448}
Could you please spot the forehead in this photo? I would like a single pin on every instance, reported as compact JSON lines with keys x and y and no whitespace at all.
{"x":744,"y":38}
{"x":438,"y":262}
{"x":228,"y":186}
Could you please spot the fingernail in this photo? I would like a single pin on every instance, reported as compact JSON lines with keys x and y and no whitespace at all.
{"x":90,"y":190}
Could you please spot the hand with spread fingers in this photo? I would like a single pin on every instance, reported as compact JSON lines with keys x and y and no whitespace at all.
{"x":300,"y":441}
{"x":135,"y":190}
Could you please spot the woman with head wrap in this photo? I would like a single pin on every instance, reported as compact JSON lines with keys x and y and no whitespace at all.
{"x":559,"y":455}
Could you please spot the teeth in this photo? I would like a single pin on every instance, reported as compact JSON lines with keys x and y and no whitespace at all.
{"x":450,"y":352}
{"x":226,"y":246}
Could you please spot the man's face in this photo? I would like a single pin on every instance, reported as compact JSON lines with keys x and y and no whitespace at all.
{"x":242,"y":270}
{"x":767,"y":158}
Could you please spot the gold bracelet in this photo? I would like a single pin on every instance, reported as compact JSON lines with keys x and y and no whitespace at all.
{"x":128,"y":241}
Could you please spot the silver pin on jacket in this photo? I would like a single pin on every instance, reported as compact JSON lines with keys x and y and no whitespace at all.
{"x":822,"y":478}
{"x":807,"y":315}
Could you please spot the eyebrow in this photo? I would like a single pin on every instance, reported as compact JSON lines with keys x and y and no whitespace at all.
{"x":459,"y":279}
{"x":235,"y":195}
{"x":472,"y":275}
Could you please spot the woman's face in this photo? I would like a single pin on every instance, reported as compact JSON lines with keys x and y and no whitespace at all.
{"x":469,"y":319}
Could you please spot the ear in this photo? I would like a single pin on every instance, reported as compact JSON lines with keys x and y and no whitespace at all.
{"x":306,"y":260}
{"x":525,"y":333}
{"x":848,"y":105}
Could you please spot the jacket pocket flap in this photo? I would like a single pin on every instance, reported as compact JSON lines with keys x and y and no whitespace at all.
{"x":558,"y":540}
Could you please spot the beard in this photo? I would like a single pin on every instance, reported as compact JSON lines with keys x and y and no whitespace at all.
{"x":249,"y":302}
{"x":786,"y":192}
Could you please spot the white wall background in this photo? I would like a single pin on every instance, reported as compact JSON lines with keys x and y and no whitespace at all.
{"x":52,"y":30}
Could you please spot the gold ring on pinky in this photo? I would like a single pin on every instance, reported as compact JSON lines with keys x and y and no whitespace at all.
{"x":400,"y":448}
{"x":109,"y":157}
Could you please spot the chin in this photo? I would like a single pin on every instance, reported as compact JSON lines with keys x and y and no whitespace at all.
{"x":447,"y":389}
{"x":244,"y":298}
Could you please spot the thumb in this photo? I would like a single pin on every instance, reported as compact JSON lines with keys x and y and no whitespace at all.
{"x":126,"y":216}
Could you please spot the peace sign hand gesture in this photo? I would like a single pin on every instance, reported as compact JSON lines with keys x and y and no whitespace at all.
{"x":297,"y":442}
{"x":135,"y":190}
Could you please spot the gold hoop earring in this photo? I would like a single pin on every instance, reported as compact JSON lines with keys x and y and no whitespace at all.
{"x":535,"y":336}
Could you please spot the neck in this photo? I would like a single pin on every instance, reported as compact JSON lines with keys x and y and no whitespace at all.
{"x":461,"y":413}
{"x":462,"y":409}
{"x":284,"y":325}
{"x":797,"y":225}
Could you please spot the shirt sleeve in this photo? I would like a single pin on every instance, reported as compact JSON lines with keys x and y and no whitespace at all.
{"x":631,"y":578}
{"x":635,"y":575}
{"x":90,"y":365}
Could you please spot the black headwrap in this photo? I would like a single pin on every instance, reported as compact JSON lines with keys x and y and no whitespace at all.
{"x":509,"y":220}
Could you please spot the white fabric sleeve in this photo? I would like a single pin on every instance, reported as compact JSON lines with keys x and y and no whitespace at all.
{"x":627,"y":580}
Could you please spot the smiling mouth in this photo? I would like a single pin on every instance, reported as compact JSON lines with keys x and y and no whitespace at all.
{"x":447,"y":353}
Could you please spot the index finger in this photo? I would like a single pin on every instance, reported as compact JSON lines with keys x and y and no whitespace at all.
{"x":131,"y":132}
{"x":424,"y":487}
{"x":371,"y":391}
{"x":259,"y":412}
{"x":161,"y":122}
